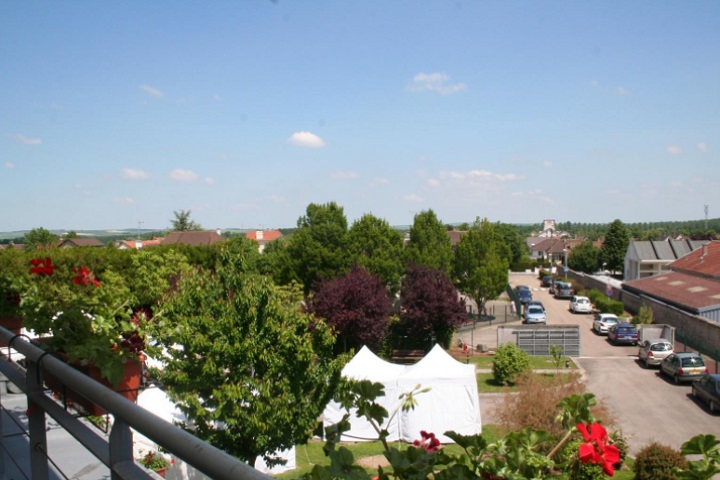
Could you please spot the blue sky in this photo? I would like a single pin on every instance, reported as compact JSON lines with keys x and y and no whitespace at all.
{"x":245,"y":112}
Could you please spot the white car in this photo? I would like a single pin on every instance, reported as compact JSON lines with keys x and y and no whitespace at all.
{"x":580,"y":304}
{"x":603,"y":322}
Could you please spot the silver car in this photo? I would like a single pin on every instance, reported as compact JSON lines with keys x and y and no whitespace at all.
{"x":534,"y":314}
{"x":603,"y":322}
{"x":654,"y":351}
{"x":683,"y":367}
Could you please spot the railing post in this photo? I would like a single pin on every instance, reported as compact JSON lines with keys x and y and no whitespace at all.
{"x":121,"y":446}
{"x":36,"y":425}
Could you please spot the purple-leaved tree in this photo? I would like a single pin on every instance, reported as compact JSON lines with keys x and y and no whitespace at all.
{"x":356,"y":306}
{"x":430,"y":306}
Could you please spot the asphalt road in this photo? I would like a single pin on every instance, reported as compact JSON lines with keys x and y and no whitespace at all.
{"x":646,"y":405}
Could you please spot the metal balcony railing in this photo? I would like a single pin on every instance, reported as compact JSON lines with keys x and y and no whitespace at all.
{"x":116,"y":451}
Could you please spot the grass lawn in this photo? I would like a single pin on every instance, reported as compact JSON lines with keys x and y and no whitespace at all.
{"x":536,"y":362}
{"x":486,"y":382}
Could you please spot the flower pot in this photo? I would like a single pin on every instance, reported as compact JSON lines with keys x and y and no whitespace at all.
{"x":14,"y":324}
{"x":161,"y":471}
{"x":129,"y":385}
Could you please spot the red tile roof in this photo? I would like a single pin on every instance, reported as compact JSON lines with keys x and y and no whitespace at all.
{"x":263,"y":236}
{"x":207,"y":237}
{"x":683,"y":289}
{"x":81,"y":242}
{"x":704,"y":261}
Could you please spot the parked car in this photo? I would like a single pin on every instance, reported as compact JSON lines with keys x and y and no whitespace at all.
{"x":579,"y":304}
{"x":683,"y":367}
{"x":563,"y":290}
{"x":534,"y":314}
{"x":547,"y":281}
{"x":653,"y":351}
{"x":554,"y":286}
{"x":537,"y":303}
{"x":623,"y":333}
{"x":708,"y":390}
{"x":603,"y":321}
{"x":524,"y":294}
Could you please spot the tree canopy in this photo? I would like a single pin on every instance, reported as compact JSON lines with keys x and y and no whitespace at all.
{"x":378,"y":248}
{"x":318,"y":248}
{"x":430,"y":307}
{"x":39,"y":239}
{"x":615,"y":246}
{"x":253,"y":372}
{"x":356,"y":306}
{"x":482,"y":259}
{"x":584,"y":258}
{"x":183,"y":223}
{"x":429,"y":243}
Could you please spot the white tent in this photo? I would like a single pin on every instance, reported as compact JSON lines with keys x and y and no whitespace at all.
{"x":365,"y":365}
{"x":451,"y":404}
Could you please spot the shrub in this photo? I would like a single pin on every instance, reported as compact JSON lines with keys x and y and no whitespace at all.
{"x":508,"y":362}
{"x":656,"y":462}
{"x":644,"y":316}
{"x":534,"y":404}
{"x":608,"y":305}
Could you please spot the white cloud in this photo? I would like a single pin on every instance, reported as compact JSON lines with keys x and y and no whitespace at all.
{"x":548,"y":164}
{"x":244,"y":206}
{"x":344,"y":175}
{"x":435,"y":82}
{"x":479,"y":175}
{"x":9,"y":165}
{"x":622,"y":91}
{"x":381,"y":181}
{"x":26,"y":140}
{"x":595,"y":83}
{"x":306,"y":139}
{"x":275,"y":198}
{"x":133,"y":174}
{"x":702,"y":147}
{"x":216,"y":97}
{"x":413,"y":198}
{"x":152,"y":91}
{"x":674,"y":150}
{"x":181,"y":175}
{"x":209,"y":180}
{"x":125,"y":201}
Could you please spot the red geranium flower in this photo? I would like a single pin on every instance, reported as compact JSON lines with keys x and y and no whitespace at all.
{"x":429,"y":443}
{"x":597,"y":448}
{"x":42,"y":266}
{"x":84,"y":276}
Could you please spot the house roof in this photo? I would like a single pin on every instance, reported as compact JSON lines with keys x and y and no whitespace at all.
{"x":81,"y":242}
{"x":263,"y":236}
{"x":207,"y":237}
{"x":145,"y":243}
{"x":663,"y":250}
{"x":682,"y":289}
{"x":704,"y":261}
{"x":455,"y":236}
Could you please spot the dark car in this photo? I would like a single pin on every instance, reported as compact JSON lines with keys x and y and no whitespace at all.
{"x":524,"y":294}
{"x":563,"y":290}
{"x":708,"y":390}
{"x":623,"y":333}
{"x":547,"y":281}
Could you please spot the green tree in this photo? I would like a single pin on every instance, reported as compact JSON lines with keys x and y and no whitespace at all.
{"x":318,"y":248}
{"x":183,"y":222}
{"x":40,"y":239}
{"x":378,"y":248}
{"x":584,"y":258}
{"x":481,"y":263}
{"x":615,"y":246}
{"x":429,"y":242}
{"x":253,"y":372}
{"x":514,"y":240}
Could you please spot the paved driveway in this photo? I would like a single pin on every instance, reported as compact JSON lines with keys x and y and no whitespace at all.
{"x":646,"y":405}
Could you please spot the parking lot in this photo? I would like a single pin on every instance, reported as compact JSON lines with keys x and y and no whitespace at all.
{"x":647,"y":406}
